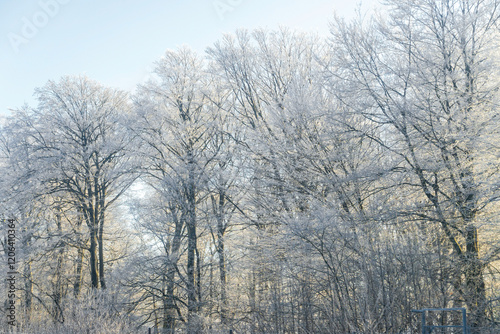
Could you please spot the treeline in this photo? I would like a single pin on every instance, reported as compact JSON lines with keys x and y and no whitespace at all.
{"x":282,"y":183}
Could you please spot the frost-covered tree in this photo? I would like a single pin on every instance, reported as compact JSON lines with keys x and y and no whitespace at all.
{"x":177,"y":124}
{"x":80,"y":151}
{"x":285,"y":183}
{"x":425,"y":77}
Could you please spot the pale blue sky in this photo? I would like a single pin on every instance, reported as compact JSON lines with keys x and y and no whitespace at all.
{"x":116,"y":41}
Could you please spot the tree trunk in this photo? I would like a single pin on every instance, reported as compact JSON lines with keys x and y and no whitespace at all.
{"x":79,"y":258}
{"x":198,"y":280}
{"x":78,"y":273}
{"x":222,"y":276}
{"x":101,"y":255}
{"x":58,"y":288}
{"x":219,"y":211}
{"x":191,"y":289}
{"x":253,"y":301}
{"x":169,"y":303}
{"x":100,"y":209}
{"x":94,"y":273}
{"x":475,"y":291}
{"x":169,"y":315}
{"x":28,"y":278}
{"x":28,"y":289}
{"x":193,"y":323}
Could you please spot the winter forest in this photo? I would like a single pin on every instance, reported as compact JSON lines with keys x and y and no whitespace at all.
{"x":279,"y":183}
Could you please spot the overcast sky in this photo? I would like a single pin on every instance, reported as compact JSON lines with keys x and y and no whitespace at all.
{"x":116,"y":41}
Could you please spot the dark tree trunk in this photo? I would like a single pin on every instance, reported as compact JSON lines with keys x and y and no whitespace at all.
{"x":28,"y":278}
{"x":193,"y":325}
{"x":169,"y":316}
{"x":191,"y":288}
{"x":28,"y":289}
{"x":475,"y":293}
{"x":78,"y":273}
{"x":100,"y":200}
{"x":221,"y":228}
{"x":222,"y":277}
{"x":58,"y":284}
{"x":101,"y":255}
{"x":94,"y":273}
{"x":198,"y":280}
{"x":79,"y":259}
{"x":170,"y":308}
